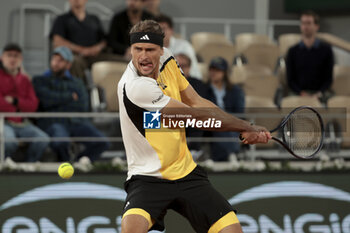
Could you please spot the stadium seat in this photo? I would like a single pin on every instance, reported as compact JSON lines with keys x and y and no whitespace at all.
{"x":266,"y":113}
{"x":107,"y":75}
{"x":244,"y":40}
{"x":341,"y":80}
{"x":200,"y":39}
{"x":262,"y":54}
{"x":203,"y":67}
{"x":239,"y":73}
{"x":282,"y":76}
{"x":258,"y":102}
{"x":334,"y":41}
{"x":342,"y":102}
{"x":285,"y":41}
{"x":296,"y":101}
{"x":260,"y":85}
{"x":212,"y":50}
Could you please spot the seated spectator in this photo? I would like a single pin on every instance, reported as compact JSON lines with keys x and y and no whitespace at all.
{"x":17,"y":95}
{"x":118,"y":36}
{"x":177,"y":45}
{"x":185,"y":64}
{"x":310,"y":63}
{"x":152,"y":6}
{"x":82,"y":33}
{"x":59,"y":91}
{"x":228,"y":97}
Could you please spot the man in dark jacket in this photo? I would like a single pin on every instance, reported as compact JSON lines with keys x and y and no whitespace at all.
{"x":17,"y":95}
{"x":310,"y":62}
{"x":81,"y":32}
{"x":118,"y":36}
{"x":59,"y":91}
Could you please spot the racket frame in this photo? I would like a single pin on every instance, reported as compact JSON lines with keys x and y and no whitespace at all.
{"x":284,"y":122}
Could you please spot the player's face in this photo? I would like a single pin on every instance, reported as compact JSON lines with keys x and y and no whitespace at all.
{"x":58,"y":64}
{"x":11,"y":60}
{"x":308,"y":27}
{"x":145,"y":57}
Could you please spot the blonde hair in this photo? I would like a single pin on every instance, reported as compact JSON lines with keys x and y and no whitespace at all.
{"x":147,"y":26}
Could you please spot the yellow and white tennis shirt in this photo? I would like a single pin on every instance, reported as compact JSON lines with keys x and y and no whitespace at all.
{"x":152,"y":152}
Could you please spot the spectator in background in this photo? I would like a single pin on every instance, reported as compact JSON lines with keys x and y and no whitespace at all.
{"x":310,"y":63}
{"x":59,"y":91}
{"x":228,"y":97}
{"x":185,"y":64}
{"x":177,"y":45}
{"x":17,"y":95}
{"x":152,"y":6}
{"x":118,"y":36}
{"x":82,"y":33}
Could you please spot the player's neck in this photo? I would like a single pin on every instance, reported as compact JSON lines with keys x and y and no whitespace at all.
{"x":155,"y":74}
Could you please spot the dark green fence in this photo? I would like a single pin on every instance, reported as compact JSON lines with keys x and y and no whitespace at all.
{"x":266,"y":202}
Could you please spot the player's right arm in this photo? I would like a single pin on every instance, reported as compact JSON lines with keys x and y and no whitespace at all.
{"x":145,"y":94}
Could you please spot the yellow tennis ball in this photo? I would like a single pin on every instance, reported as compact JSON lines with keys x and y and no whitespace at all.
{"x":65,"y":170}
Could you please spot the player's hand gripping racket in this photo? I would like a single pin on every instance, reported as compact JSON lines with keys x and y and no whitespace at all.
{"x":302,"y":132}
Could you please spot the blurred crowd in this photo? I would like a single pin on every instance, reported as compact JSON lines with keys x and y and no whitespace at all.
{"x":79,"y":41}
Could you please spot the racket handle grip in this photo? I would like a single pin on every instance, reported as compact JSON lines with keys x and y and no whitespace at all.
{"x":241,"y":137}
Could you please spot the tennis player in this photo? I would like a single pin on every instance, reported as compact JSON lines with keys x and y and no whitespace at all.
{"x":161,"y":172}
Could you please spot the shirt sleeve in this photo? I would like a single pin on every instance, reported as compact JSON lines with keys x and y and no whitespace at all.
{"x":146,"y":94}
{"x":174,"y":66}
{"x":101,"y":33}
{"x":58,"y":28}
{"x":328,"y":70}
{"x":181,"y":80}
{"x":27,"y":99}
{"x":115,"y":35}
{"x":290,"y":71}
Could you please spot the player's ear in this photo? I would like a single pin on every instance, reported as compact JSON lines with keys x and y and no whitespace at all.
{"x":162,"y":51}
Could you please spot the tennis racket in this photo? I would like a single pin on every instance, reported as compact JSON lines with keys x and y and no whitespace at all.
{"x":302,"y":132}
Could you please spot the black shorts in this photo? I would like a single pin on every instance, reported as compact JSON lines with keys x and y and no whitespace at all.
{"x":192,"y":196}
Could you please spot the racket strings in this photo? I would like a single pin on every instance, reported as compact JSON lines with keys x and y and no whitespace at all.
{"x":303,"y":132}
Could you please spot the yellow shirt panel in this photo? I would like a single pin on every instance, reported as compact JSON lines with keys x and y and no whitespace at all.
{"x":170,"y":144}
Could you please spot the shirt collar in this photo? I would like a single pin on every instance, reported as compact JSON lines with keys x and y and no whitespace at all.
{"x":216,"y":90}
{"x":315,"y":45}
{"x":67,"y":74}
{"x":70,"y":12}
